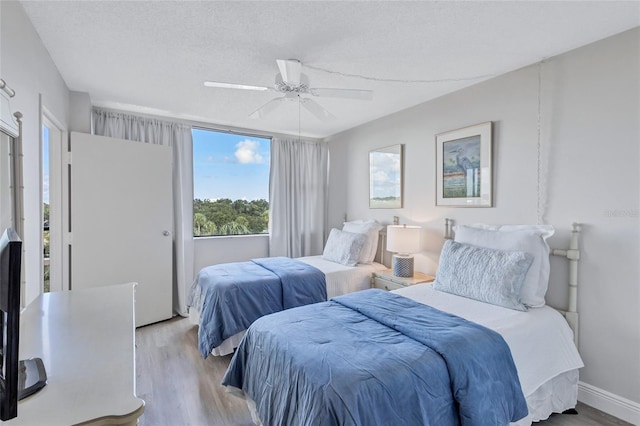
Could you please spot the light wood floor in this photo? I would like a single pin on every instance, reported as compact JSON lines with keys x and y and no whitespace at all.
{"x":180,"y":388}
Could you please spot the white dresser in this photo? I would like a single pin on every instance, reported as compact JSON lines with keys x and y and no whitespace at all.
{"x":86,"y":339}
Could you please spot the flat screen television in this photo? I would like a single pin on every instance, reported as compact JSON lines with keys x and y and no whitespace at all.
{"x":18,"y":379}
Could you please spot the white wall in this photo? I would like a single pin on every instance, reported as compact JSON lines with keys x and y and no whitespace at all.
{"x":28,"y":69}
{"x":80,"y":112}
{"x":590,"y":156}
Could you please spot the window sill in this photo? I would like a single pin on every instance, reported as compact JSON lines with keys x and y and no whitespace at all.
{"x":220,"y":237}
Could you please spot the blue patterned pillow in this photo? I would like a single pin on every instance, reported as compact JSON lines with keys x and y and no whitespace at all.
{"x":344,"y":247}
{"x":488,"y":275}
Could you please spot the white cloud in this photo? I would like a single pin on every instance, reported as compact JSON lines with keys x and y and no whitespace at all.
{"x":45,"y":189}
{"x":384,"y":170}
{"x":247,"y":152}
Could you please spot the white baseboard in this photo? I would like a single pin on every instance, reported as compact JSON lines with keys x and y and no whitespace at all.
{"x":610,"y":403}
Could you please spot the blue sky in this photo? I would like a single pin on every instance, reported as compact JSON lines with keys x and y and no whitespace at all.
{"x":227,"y":165}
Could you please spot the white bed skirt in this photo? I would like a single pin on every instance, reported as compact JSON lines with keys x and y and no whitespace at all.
{"x":554,"y":396}
{"x":226,"y":347}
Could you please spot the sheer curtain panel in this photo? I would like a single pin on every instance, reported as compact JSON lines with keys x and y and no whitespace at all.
{"x":298,"y":197}
{"x":178,"y":137}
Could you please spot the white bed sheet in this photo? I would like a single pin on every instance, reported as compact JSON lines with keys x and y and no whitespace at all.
{"x":540,"y":339}
{"x":343,"y":279}
{"x":541,"y":344}
{"x":340,"y":279}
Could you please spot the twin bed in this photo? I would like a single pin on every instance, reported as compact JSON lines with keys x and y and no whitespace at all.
{"x":479,"y":346}
{"x":339,"y":280}
{"x":231,"y":300}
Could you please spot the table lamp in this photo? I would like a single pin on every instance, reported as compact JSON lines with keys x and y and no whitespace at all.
{"x":403,"y":240}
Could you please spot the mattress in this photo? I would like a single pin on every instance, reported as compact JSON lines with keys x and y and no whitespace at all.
{"x":540,"y":340}
{"x":340,"y":279}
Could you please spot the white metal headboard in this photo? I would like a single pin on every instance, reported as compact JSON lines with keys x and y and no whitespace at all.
{"x":381,"y":252}
{"x":382,"y":247}
{"x":573,"y":255}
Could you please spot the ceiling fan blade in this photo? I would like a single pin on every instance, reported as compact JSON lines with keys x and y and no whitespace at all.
{"x":267,"y":108}
{"x":290,"y":70}
{"x":365,"y":95}
{"x":236,"y":86}
{"x":318,"y":111}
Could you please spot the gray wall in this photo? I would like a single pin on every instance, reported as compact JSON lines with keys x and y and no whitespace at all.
{"x":589,"y":151}
{"x":27,"y":68}
{"x":80,"y":112}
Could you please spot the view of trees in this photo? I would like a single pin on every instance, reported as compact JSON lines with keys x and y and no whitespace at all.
{"x":227,"y":217}
{"x":45,"y":238}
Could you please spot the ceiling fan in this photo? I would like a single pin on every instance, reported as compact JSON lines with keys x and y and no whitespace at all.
{"x":293,"y":83}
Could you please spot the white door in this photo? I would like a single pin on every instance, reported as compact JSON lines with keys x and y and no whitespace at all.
{"x":121,"y":218}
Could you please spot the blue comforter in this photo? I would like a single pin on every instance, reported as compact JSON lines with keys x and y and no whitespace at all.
{"x":234,"y":295}
{"x":376,"y":358}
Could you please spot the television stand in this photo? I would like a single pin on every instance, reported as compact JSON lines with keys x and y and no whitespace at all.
{"x":86,"y":340}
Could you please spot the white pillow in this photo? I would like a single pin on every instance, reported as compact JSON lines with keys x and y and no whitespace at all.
{"x":371,"y":229}
{"x":527,"y":238}
{"x":344,"y":247}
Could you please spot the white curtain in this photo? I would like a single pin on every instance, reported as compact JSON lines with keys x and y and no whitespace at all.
{"x":178,"y":137}
{"x":298,"y":197}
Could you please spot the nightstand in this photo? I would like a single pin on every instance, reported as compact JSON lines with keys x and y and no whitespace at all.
{"x":385,"y":280}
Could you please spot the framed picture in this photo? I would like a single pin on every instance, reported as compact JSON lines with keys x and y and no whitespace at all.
{"x":385,"y":178}
{"x":463,"y":167}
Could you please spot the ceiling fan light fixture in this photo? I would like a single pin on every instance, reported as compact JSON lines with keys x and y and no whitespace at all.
{"x":292,"y":83}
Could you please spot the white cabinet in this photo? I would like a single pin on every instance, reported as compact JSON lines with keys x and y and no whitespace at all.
{"x":86,"y":339}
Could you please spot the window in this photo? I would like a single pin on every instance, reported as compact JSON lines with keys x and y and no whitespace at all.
{"x":45,"y":209}
{"x":230,"y":183}
{"x":51,"y":214}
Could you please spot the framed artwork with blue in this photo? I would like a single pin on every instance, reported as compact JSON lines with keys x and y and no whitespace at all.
{"x":463,"y":167}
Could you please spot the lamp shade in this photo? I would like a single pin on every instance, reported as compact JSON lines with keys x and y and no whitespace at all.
{"x":403,"y":239}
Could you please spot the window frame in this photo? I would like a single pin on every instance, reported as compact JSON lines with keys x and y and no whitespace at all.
{"x":236,"y":132}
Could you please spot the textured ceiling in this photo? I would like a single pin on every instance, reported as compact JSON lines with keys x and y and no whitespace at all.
{"x":153,"y":57}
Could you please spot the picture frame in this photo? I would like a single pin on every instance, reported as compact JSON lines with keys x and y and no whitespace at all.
{"x":464,"y":167}
{"x":386,"y":177}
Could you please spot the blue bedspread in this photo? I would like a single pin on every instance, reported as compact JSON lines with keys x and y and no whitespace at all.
{"x":234,"y":295}
{"x":376,"y":358}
